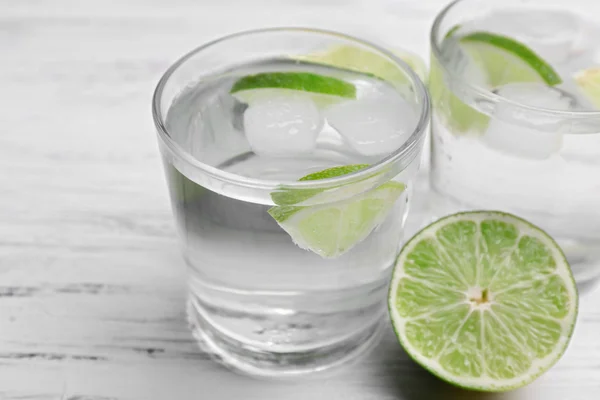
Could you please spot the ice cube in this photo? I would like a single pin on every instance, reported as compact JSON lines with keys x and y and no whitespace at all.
{"x":283,"y":125}
{"x":515,"y":132}
{"x":552,"y":34}
{"x":375,"y":124}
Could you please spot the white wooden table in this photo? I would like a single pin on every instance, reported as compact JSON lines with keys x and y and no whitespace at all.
{"x":91,"y":282}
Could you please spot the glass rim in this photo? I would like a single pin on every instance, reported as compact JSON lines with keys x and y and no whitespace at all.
{"x":486,"y":93}
{"x":406,"y":148}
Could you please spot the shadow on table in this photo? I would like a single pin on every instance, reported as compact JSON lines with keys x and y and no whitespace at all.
{"x":407,"y":380}
{"x":588,"y":286}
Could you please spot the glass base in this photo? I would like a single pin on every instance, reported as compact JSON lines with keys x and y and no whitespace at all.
{"x":249,"y":360}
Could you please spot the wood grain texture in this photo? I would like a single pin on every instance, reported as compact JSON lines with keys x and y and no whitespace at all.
{"x":91,"y":281}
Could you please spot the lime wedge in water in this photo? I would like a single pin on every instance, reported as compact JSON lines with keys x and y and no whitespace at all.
{"x":588,"y":81}
{"x":332,"y":228}
{"x":484,"y":300}
{"x":502,"y":60}
{"x":506,"y":60}
{"x":365,"y":61}
{"x":322,"y":89}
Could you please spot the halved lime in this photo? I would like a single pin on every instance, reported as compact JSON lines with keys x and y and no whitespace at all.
{"x":333,"y":228}
{"x":365,"y":61}
{"x":588,"y":81}
{"x":506,"y":60}
{"x":484,"y":300}
{"x":322,"y":89}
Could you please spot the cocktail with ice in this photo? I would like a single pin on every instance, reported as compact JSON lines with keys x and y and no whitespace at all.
{"x":290,"y":156}
{"x":515,"y":87}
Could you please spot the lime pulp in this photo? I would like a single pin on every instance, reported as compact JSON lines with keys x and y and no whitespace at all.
{"x":484,"y":300}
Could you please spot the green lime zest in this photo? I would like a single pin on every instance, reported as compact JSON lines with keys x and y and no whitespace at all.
{"x":333,"y":172}
{"x":297,"y":81}
{"x":288,"y":197}
{"x":452,"y":31}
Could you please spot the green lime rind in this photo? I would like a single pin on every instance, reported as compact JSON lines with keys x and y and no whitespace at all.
{"x":484,"y":300}
{"x":508,"y":61}
{"x":282,"y":213}
{"x":333,"y":172}
{"x":287,"y":197}
{"x":452,"y":31}
{"x":588,"y":82}
{"x":460,"y":117}
{"x":325,"y":86}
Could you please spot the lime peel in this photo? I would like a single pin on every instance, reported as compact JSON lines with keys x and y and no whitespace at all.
{"x":324,"y":89}
{"x":288,"y":197}
{"x":508,"y":61}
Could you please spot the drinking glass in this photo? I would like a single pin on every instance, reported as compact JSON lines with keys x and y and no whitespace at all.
{"x":289,"y":276}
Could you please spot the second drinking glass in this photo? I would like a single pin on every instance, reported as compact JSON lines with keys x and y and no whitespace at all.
{"x":516,"y":120}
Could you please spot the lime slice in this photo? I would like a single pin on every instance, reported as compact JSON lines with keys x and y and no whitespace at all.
{"x":588,"y":81}
{"x":333,"y":228}
{"x":506,"y":60}
{"x":484,"y":300}
{"x":502,"y":60}
{"x":322,"y":89}
{"x":365,"y":61}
